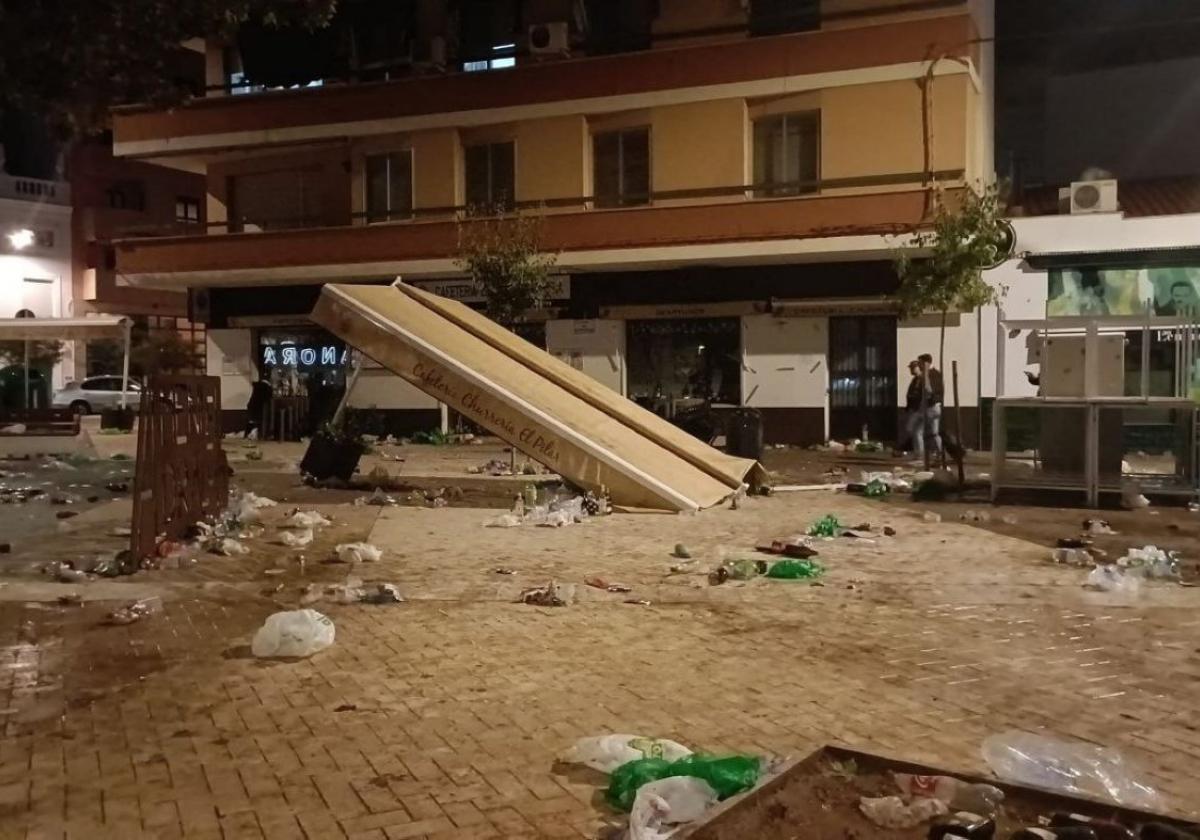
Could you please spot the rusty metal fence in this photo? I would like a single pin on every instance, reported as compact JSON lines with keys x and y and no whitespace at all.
{"x":181,"y":475}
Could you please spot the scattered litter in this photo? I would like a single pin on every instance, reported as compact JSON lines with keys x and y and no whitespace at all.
{"x":64,"y":573}
{"x":1070,"y":767}
{"x":66,"y":514}
{"x":71,"y":599}
{"x":358,"y":553}
{"x":638,"y":602}
{"x":1097,"y":527}
{"x":55,"y":464}
{"x":384,"y":593}
{"x":306,"y":519}
{"x":246,"y":509}
{"x":551,"y":595}
{"x":295,"y":539}
{"x":13,"y":429}
{"x":1073,"y":542}
{"x":958,"y":795}
{"x":804,"y":488}
{"x":608,"y":752}
{"x":891,"y":812}
{"x":228,"y":547}
{"x":931,"y":517}
{"x":975,"y":516}
{"x":292,"y":634}
{"x":117,"y":486}
{"x":826,"y":526}
{"x":136,"y":611}
{"x":1151,"y":563}
{"x":727,"y":775}
{"x":1073,"y":557}
{"x":796,"y":546}
{"x":505,"y":520}
{"x":1112,"y":579}
{"x":500,"y":570}
{"x":796,"y":570}
{"x":601,"y":583}
{"x":1132,"y":499}
{"x":378,"y":499}
{"x":274,"y":572}
{"x":681,"y":552}
{"x":889,"y":531}
{"x":668,"y":802}
{"x":744,"y":569}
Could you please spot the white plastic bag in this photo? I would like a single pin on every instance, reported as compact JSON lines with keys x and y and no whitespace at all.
{"x":1113,"y":579}
{"x":1075,"y":768}
{"x":292,"y":634}
{"x":358,"y":553}
{"x":680,"y":799}
{"x":248,"y":507}
{"x":504,"y":520}
{"x":306,"y":519}
{"x":295,"y":539}
{"x":608,"y":752}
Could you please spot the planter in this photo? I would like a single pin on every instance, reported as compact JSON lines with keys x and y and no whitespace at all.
{"x":327,"y":458}
{"x":117,"y":418}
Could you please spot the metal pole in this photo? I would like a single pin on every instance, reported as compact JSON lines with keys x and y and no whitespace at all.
{"x":1145,"y":386}
{"x":1001,"y":347}
{"x":27,"y":405}
{"x":125,"y":365}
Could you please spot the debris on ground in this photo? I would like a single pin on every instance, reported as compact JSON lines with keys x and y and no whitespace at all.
{"x":727,"y":775}
{"x":1072,"y":556}
{"x":248,"y":505}
{"x":1073,"y":542}
{"x":1009,"y":519}
{"x":292,"y":634}
{"x":826,"y":526}
{"x":889,"y":531}
{"x":796,"y":546}
{"x":637,"y":602}
{"x":500,"y":570}
{"x":71,"y":599}
{"x":608,"y":752}
{"x":136,"y":611}
{"x":668,"y":802}
{"x":1097,"y":528}
{"x":601,"y":583}
{"x":681,"y":552}
{"x":504,"y":520}
{"x":306,"y":519}
{"x":931,"y":517}
{"x":552,"y":594}
{"x":1152,"y":563}
{"x":358,"y":552}
{"x":795,"y":570}
{"x":1074,"y":768}
{"x":958,"y":795}
{"x":5,"y":548}
{"x":891,"y":811}
{"x":383,"y":593}
{"x":1112,"y":578}
{"x":1132,"y":498}
{"x":295,"y":539}
{"x":556,"y":513}
{"x":228,"y":547}
{"x":378,"y":499}
{"x":743,"y":569}
{"x":975,"y":516}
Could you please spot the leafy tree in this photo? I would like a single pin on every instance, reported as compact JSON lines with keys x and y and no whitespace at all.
{"x":163,"y":351}
{"x":43,"y":355}
{"x":73,"y":60}
{"x":502,"y":253}
{"x":968,"y":236}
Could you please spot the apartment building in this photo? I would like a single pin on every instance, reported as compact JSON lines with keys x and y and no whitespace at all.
{"x":725,"y":182}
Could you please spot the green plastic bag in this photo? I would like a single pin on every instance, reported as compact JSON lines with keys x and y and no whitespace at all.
{"x":876,"y":488}
{"x":727,"y":775}
{"x":796,"y":570}
{"x":826,"y":526}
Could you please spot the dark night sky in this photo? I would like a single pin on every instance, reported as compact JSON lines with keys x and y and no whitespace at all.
{"x":1151,"y":52}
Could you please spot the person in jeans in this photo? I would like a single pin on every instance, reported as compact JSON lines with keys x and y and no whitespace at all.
{"x":931,"y":391}
{"x":912,"y":405}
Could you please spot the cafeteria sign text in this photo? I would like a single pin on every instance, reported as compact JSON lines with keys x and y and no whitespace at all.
{"x":292,"y":355}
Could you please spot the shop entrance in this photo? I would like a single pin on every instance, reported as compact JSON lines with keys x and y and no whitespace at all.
{"x":862,"y":377}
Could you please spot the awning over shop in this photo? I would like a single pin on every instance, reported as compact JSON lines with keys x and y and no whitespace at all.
{"x":1183,"y":255}
{"x":552,"y":412}
{"x":62,"y":329}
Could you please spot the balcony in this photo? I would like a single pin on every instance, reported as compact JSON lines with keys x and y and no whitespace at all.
{"x":35,"y":190}
{"x":751,"y":229}
{"x":746,"y":68}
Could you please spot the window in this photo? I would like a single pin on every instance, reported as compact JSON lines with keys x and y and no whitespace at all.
{"x":503,"y":56}
{"x":621,"y":167}
{"x":278,"y":200}
{"x":786,"y":154}
{"x":490,"y":173}
{"x":127,"y":195}
{"x":187,"y":210}
{"x":389,"y":186}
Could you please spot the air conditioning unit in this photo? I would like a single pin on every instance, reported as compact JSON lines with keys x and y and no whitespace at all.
{"x":550,"y":38}
{"x":1094,"y":197}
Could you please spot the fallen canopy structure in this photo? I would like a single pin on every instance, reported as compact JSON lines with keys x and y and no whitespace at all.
{"x":553,"y":413}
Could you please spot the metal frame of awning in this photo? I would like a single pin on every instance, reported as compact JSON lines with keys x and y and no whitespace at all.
{"x":70,"y":329}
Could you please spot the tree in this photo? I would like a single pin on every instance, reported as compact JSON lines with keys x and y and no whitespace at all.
{"x":501,"y":252}
{"x":968,"y":237}
{"x":73,"y":60}
{"x":163,"y":351}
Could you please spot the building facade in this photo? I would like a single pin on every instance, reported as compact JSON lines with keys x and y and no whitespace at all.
{"x":726,"y":192}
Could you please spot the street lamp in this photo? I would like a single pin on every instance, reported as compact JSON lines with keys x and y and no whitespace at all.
{"x":20,"y":239}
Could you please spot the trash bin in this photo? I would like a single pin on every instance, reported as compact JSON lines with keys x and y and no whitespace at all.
{"x":744,"y":437}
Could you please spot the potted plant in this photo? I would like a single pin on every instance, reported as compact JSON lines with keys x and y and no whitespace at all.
{"x":333,"y":452}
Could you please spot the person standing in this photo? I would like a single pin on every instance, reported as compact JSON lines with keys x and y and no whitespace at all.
{"x":912,"y":406}
{"x":932,"y":393}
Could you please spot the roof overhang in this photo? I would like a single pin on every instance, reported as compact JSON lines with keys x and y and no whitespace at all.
{"x":63,"y":329}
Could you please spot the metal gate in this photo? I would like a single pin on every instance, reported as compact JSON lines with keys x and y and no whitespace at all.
{"x":181,"y":475}
{"x":862,"y":377}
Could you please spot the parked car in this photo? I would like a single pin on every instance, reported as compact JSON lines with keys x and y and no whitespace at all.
{"x":95,"y":393}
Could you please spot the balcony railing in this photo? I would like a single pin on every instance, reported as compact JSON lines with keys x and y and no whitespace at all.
{"x":35,"y":190}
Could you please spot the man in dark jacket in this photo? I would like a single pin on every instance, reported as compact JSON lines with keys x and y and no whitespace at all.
{"x":930,"y":394}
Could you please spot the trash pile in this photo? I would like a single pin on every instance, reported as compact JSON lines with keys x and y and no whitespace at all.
{"x":352,"y":590}
{"x":500,"y":467}
{"x":555,"y":511}
{"x":293,"y":634}
{"x":959,"y":808}
{"x":661,"y":783}
{"x":552,"y":594}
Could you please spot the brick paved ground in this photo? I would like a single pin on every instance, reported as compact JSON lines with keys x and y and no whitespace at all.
{"x":441,"y":717}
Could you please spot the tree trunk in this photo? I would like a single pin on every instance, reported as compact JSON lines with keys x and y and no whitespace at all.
{"x":942,"y":344}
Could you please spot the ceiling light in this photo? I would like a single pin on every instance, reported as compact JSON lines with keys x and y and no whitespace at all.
{"x":20,"y":239}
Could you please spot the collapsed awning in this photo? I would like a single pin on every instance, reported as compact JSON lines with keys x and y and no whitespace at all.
{"x":62,"y":329}
{"x":553,"y":413}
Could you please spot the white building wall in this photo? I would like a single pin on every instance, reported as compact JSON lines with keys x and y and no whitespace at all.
{"x":922,"y":335}
{"x":229,"y":357}
{"x":785,"y":362}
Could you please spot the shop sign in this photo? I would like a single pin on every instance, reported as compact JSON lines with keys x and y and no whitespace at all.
{"x":467,"y":291}
{"x":303,"y":355}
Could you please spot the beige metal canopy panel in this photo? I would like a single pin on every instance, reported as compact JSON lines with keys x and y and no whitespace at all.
{"x":553,"y":413}
{"x":62,"y":329}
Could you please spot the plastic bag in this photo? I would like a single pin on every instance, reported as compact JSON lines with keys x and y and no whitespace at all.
{"x":358,"y":553}
{"x":891,"y":812}
{"x":295,"y":539}
{"x":681,"y":799}
{"x":296,"y":633}
{"x":249,"y":505}
{"x":796,"y":570}
{"x":608,"y":752}
{"x":1075,"y":768}
{"x":826,"y":526}
{"x":306,"y":519}
{"x":1113,"y":579}
{"x":727,"y":775}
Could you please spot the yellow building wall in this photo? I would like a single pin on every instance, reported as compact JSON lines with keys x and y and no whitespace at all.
{"x":699,"y":145}
{"x":437,"y":168}
{"x":877,"y":129}
{"x":552,"y":158}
